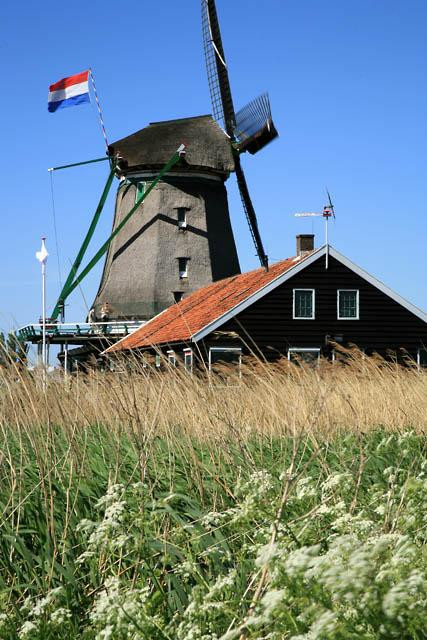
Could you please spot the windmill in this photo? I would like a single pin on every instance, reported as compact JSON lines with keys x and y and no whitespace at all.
{"x":327,"y":213}
{"x":179,"y":239}
{"x":183,"y":238}
{"x":250,"y":129}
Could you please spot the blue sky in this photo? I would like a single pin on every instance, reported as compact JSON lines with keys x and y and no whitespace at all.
{"x":347,"y":83}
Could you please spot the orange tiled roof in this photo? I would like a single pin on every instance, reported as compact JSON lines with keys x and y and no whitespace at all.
{"x":186,"y":318}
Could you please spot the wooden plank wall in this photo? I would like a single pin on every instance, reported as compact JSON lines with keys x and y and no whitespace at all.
{"x":383,"y":325}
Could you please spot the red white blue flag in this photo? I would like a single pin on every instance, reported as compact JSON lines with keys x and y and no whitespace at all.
{"x":69,"y":91}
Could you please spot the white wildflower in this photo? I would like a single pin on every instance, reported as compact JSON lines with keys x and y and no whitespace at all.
{"x":114,"y":492}
{"x":27,"y":630}
{"x":85,"y":525}
{"x":337,"y":480}
{"x":380,"y":510}
{"x":271,"y":599}
{"x":265,"y":554}
{"x":60,"y":616}
{"x":301,"y":559}
{"x":323,"y":626}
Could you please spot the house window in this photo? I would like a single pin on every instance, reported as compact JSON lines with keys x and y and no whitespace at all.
{"x":303,"y":304}
{"x":183,"y":267}
{"x":422,"y":357}
{"x":171,"y":358}
{"x":348,"y":304}
{"x":309,"y":355}
{"x":220,"y":361}
{"x":182,"y":217}
{"x":177,"y":296}
{"x":158,"y":360}
{"x":140,"y":190}
{"x":188,"y":360}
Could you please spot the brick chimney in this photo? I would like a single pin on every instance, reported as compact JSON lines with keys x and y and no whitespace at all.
{"x":305,"y":244}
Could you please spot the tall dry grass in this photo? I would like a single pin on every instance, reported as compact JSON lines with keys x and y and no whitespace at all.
{"x":266,"y":400}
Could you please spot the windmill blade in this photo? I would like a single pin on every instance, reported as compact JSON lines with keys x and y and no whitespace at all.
{"x":219,"y":83}
{"x":254,"y":125}
{"x":223,"y":109}
{"x":250,"y":213}
{"x":330,"y":202}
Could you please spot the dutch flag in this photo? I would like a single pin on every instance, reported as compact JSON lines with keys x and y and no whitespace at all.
{"x":69,"y":91}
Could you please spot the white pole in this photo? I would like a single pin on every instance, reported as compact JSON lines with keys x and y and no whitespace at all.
{"x":66,"y":359}
{"x":42,"y":256}
{"x":327,"y":244}
{"x":44,"y":315}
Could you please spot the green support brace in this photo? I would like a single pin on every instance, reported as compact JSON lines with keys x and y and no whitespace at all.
{"x":79,"y":164}
{"x":77,"y":262}
{"x":174,"y":159}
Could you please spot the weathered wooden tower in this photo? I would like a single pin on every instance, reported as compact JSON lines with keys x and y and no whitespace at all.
{"x":181,"y":237}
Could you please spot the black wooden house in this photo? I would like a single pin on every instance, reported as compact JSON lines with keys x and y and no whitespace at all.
{"x":301,"y":307}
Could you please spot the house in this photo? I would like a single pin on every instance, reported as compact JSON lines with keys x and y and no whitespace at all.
{"x":300,"y":307}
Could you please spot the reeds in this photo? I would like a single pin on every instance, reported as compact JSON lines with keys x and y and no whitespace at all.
{"x":265,"y":400}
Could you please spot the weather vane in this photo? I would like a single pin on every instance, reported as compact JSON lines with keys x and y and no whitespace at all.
{"x":328,"y":212}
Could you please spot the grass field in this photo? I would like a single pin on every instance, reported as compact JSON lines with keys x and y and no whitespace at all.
{"x":290,"y":504}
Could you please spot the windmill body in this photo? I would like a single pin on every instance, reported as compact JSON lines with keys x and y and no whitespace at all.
{"x":181,"y":237}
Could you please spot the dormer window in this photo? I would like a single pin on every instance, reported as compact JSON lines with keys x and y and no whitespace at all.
{"x":183,"y":267}
{"x":182,"y":217}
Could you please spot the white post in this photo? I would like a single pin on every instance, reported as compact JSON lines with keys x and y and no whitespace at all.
{"x":66,"y":359}
{"x":44,"y":315}
{"x":326,"y":240}
{"x":42,"y":258}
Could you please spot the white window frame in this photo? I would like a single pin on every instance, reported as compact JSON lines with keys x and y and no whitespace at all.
{"x":136,"y":189}
{"x":182,"y":224}
{"x":171,"y":358}
{"x":419,"y":356}
{"x":188,"y":353}
{"x":356,"y":317}
{"x":183,"y":273}
{"x":313,"y":292}
{"x":304,"y":350}
{"x":222,"y":349}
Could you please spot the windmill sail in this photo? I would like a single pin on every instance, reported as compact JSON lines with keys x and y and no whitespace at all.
{"x":254,"y":130}
{"x":216,"y":67}
{"x":254,"y":125}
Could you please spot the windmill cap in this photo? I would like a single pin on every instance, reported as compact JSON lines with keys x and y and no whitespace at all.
{"x":208,"y":148}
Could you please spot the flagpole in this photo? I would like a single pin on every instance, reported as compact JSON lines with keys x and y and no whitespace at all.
{"x":42,"y":256}
{"x":98,"y":104}
{"x":44,"y":315}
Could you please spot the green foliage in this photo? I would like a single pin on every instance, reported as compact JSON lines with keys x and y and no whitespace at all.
{"x":273,"y":538}
{"x":12,"y":350}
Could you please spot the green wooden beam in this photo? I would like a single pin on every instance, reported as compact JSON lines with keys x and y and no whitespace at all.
{"x":78,"y":164}
{"x":174,"y":159}
{"x":77,"y":262}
